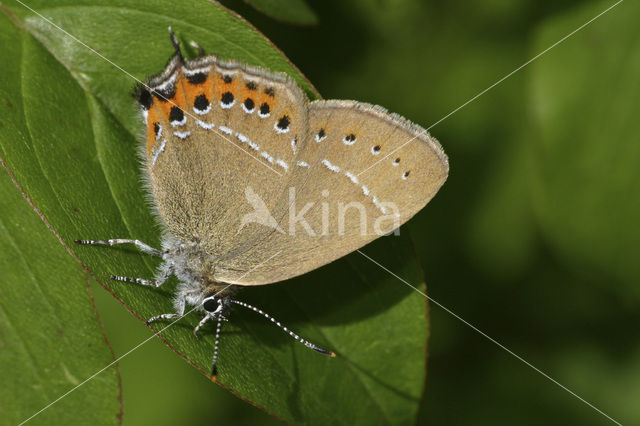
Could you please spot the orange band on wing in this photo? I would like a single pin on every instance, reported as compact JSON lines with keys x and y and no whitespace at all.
{"x":192,"y":91}
{"x":177,"y":98}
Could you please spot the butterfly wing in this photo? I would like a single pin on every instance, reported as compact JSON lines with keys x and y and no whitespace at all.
{"x":216,"y":130}
{"x":269,"y":186}
{"x":360,"y":172}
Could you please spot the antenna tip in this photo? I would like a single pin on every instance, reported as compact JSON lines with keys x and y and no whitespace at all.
{"x":332,"y":354}
{"x":214,"y":374}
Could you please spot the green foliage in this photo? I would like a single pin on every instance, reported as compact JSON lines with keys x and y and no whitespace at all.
{"x":50,"y":338}
{"x":69,"y":135}
{"x":587,"y":174}
{"x":49,"y":334}
{"x":532,"y":238}
{"x":291,"y":11}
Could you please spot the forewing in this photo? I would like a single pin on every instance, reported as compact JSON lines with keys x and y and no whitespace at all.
{"x":215,"y":131}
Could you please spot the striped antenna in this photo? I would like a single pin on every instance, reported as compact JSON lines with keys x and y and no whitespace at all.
{"x":291,"y":333}
{"x":214,"y":369}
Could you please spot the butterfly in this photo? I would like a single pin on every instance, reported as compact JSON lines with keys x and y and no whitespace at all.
{"x":254,"y":184}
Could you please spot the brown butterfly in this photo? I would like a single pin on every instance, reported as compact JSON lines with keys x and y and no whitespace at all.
{"x":255,"y":184}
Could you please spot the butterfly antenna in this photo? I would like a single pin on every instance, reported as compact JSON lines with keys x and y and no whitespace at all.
{"x":175,"y":43}
{"x":291,"y":333}
{"x":198,"y":47}
{"x":214,"y":368}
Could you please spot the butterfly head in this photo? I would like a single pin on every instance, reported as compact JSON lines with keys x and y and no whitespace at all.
{"x":214,"y":305}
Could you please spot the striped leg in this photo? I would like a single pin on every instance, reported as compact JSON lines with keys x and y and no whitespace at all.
{"x":180,"y":305}
{"x":204,"y":320}
{"x":166,"y":273}
{"x":141,"y":246}
{"x":162,"y":316}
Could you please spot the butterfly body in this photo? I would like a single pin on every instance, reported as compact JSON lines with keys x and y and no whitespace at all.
{"x":194,"y":270}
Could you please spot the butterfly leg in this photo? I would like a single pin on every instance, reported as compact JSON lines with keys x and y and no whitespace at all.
{"x":141,"y":246}
{"x":202,"y":322}
{"x":162,"y":278}
{"x":180,"y":304}
{"x":145,"y":248}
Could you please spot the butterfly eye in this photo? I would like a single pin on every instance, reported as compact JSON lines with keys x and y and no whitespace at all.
{"x":210,"y":304}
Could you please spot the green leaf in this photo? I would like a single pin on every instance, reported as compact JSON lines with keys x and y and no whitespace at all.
{"x":50,"y":337}
{"x":71,"y":138}
{"x":291,"y":11}
{"x":586,"y":94}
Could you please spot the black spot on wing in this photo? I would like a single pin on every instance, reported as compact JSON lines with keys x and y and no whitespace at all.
{"x":283,"y":123}
{"x":176,"y":114}
{"x":227,"y":98}
{"x":201,"y":102}
{"x":143,"y":97}
{"x":197,"y":78}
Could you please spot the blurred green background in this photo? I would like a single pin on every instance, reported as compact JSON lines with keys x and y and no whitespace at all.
{"x":533,"y":239}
